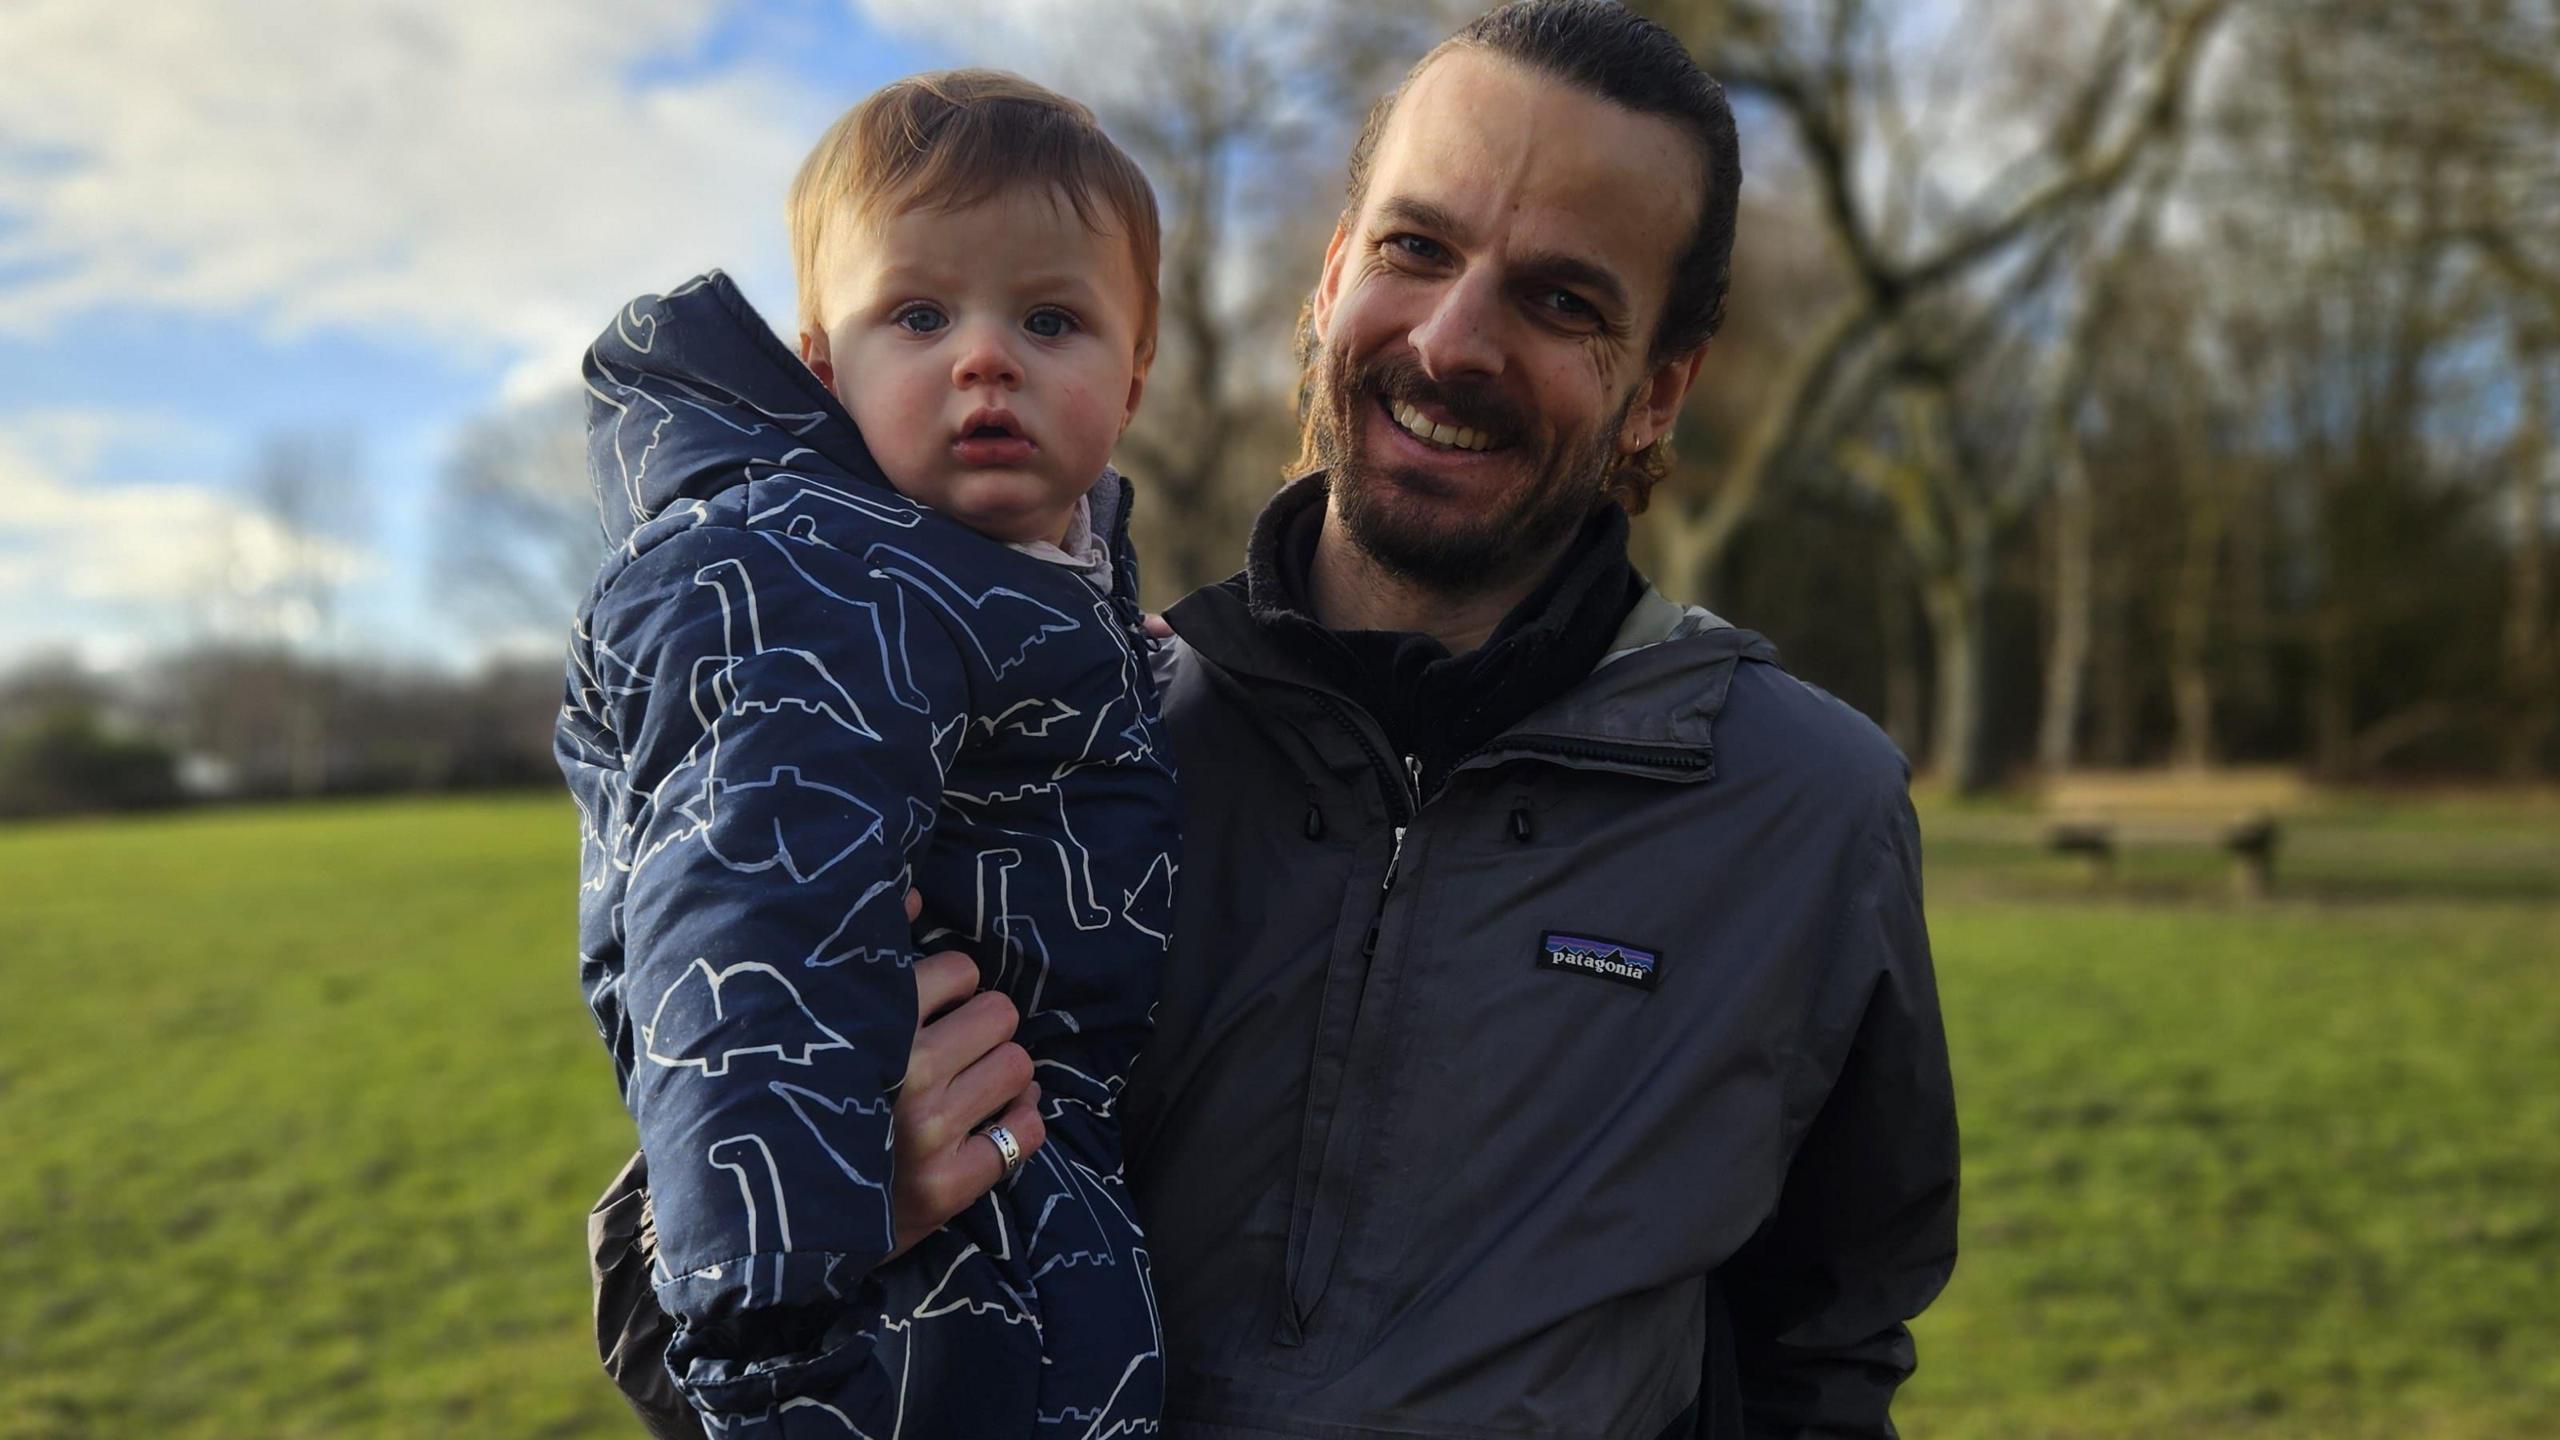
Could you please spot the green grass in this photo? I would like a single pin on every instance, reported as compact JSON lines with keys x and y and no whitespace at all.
{"x":300,"y":1114}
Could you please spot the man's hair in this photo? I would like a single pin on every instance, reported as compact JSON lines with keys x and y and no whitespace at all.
{"x":952,"y":138}
{"x":1603,"y":49}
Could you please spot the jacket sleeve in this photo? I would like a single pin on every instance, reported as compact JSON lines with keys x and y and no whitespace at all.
{"x":786,"y":726}
{"x":1864,"y":1233}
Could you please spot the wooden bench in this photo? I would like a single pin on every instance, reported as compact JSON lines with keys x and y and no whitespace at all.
{"x":2094,"y":814}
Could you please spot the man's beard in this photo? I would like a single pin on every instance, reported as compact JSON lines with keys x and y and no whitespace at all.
{"x":1455,"y":555}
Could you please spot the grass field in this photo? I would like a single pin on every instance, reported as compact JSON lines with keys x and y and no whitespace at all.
{"x":299,"y":1118}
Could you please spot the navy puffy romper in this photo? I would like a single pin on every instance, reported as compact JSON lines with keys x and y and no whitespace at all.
{"x":792,"y":693}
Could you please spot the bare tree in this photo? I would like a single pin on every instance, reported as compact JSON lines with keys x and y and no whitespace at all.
{"x":1829,"y":74}
{"x":517,"y":539}
{"x":2415,"y":164}
{"x":312,"y":491}
{"x":1875,"y":386}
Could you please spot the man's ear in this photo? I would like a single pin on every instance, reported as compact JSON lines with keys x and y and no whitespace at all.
{"x":1657,"y":405}
{"x":813,"y":353}
{"x":1329,"y":283}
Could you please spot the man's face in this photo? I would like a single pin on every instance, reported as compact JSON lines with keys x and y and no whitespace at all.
{"x":1484,"y":320}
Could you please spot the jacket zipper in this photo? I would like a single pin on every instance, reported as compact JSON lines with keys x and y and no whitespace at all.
{"x":1402,"y":790}
{"x":1403,"y":799}
{"x":1395,"y":852}
{"x":1395,"y":856}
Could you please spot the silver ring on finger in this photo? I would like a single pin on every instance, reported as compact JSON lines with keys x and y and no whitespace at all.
{"x":1007,"y":1147}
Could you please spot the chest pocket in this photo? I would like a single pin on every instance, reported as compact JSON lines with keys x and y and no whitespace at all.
{"x":1578,"y":1027}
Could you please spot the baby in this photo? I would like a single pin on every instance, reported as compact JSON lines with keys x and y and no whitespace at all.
{"x":870,"y":623}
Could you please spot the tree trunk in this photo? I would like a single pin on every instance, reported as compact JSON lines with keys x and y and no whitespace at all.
{"x":2067,"y":652}
{"x":2526,"y":658}
{"x":2191,"y":611}
{"x":2333,"y":715}
{"x":1687,"y":544}
{"x":307,"y":735}
{"x":2111,"y":663}
{"x":1902,"y":686}
{"x":1959,"y":603}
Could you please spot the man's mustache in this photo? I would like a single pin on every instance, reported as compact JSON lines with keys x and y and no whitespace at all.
{"x":1476,"y":407}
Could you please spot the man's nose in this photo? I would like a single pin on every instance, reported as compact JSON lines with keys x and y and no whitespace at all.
{"x":1459,"y":337}
{"x":985,"y":359}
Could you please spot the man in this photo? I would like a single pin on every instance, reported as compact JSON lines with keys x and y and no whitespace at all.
{"x":1549,"y":1045}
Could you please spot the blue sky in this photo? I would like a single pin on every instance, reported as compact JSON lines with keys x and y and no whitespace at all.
{"x":232,"y":219}
{"x":222,"y":221}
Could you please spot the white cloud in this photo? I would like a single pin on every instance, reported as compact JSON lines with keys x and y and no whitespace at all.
{"x":1124,"y":53}
{"x":484,"y":176}
{"x":1068,"y":43}
{"x":96,"y":566}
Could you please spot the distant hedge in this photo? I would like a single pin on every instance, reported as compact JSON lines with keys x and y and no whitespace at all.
{"x":67,"y":761}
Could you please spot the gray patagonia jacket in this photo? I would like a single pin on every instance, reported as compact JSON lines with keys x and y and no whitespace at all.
{"x":1601,"y":1094}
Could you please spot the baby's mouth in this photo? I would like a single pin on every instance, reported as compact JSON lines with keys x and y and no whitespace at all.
{"x":992,"y":439}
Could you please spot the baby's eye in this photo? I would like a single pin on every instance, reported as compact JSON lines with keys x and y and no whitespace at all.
{"x":920,"y":319}
{"x":1050,"y":323}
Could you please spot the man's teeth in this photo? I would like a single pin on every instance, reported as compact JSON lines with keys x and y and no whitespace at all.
{"x":1456,"y":437}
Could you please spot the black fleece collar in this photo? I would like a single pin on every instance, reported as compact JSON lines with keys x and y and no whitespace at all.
{"x":1436,"y":707}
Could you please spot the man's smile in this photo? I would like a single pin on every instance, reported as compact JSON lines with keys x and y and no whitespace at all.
{"x":1422,"y":427}
{"x":1424,"y":433}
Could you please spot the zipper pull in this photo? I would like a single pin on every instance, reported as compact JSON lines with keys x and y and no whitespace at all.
{"x":1413,"y":772}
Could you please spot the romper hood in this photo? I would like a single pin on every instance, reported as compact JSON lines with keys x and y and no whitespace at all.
{"x":691,"y":393}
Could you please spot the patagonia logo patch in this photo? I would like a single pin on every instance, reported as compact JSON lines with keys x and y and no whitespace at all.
{"x":1608,"y":959}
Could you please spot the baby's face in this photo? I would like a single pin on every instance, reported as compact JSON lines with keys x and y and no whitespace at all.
{"x":988,"y":353}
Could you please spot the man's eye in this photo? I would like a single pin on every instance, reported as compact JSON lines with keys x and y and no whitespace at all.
{"x":1050,"y":323}
{"x":920,"y":319}
{"x":1415,"y":247}
{"x":1569,"y":306}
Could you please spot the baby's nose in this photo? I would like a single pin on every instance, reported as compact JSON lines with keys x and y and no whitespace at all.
{"x":985,"y":361}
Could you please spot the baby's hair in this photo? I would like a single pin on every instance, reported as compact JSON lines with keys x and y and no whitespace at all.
{"x":952,"y":138}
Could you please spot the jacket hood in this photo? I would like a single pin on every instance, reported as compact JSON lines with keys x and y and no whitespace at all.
{"x":691,"y":393}
{"x":686,"y":390}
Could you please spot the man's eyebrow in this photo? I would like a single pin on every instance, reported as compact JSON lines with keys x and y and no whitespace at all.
{"x":1423,"y":215}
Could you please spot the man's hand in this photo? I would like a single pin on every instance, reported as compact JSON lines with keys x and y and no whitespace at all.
{"x":963,"y":1070}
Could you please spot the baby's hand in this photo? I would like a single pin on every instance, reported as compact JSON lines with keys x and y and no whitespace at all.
{"x":963,"y":1070}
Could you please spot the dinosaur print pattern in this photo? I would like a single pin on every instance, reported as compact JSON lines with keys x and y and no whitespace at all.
{"x":791,"y":695}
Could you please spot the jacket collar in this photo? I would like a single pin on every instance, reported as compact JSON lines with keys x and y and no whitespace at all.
{"x":1649,"y":708}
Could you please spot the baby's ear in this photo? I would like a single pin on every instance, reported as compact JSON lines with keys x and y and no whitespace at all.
{"x":813,"y":353}
{"x":1137,"y":390}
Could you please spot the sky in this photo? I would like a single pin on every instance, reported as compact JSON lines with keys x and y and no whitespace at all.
{"x":226,"y":224}
{"x":228,"y":221}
